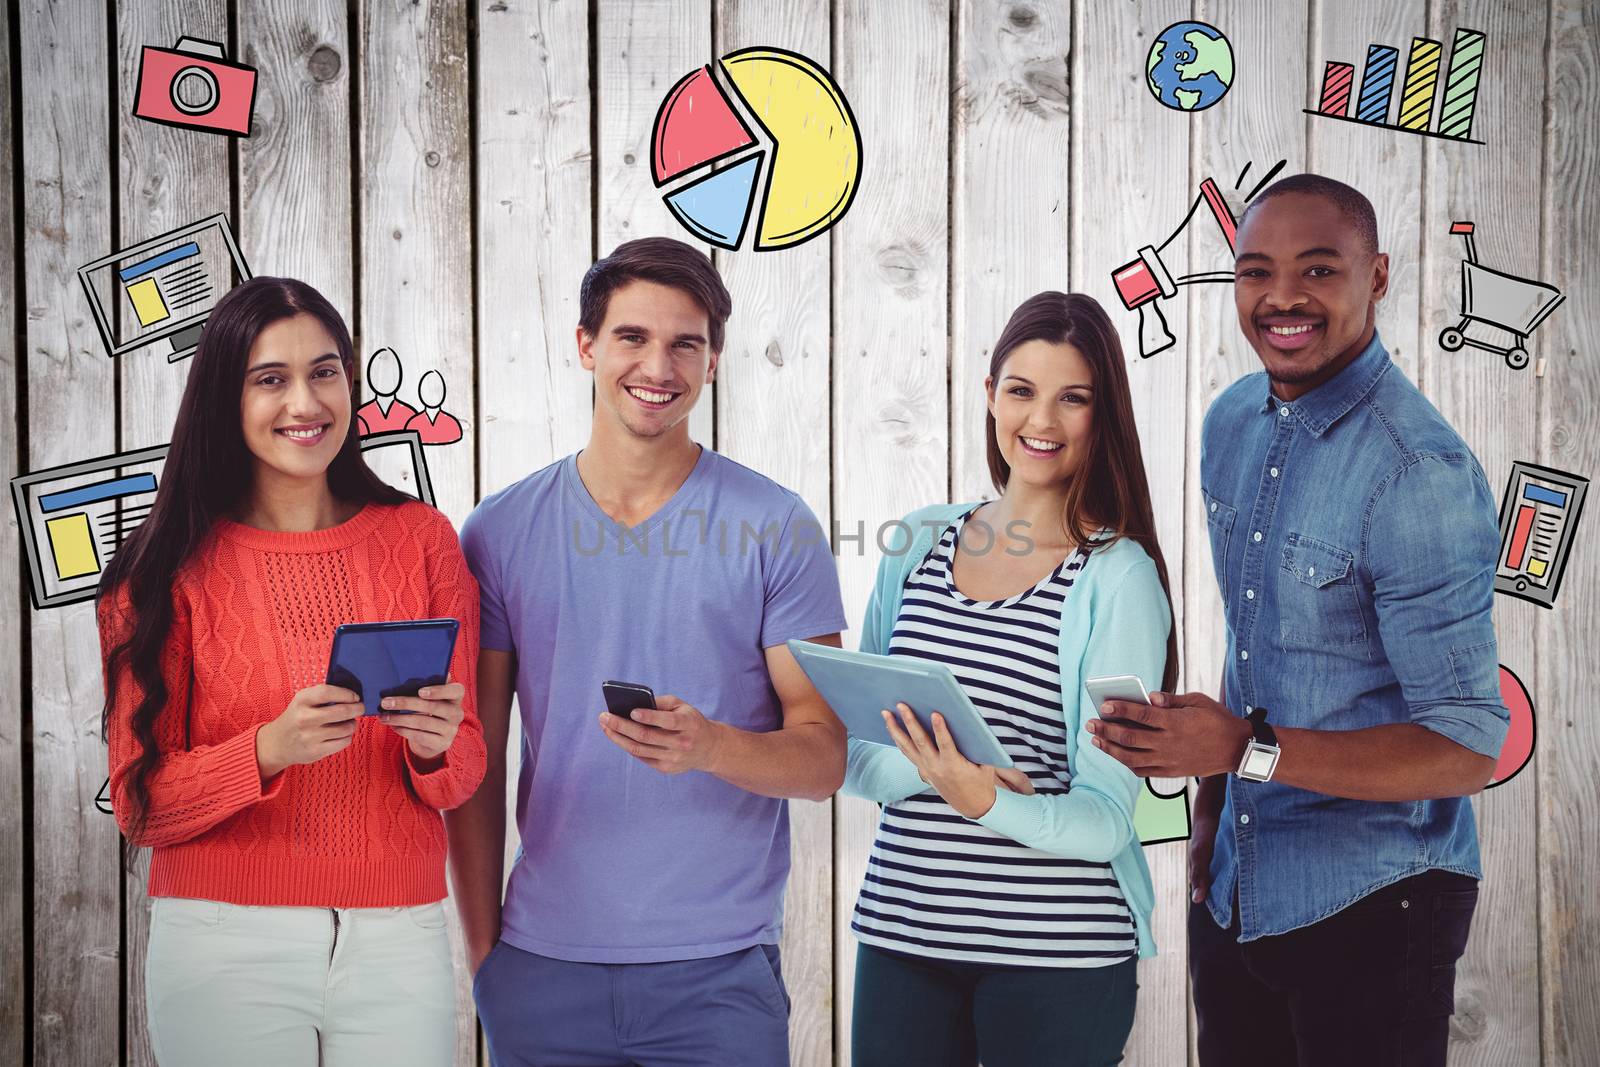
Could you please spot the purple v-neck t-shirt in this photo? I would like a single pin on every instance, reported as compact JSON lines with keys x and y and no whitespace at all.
{"x":620,"y":863}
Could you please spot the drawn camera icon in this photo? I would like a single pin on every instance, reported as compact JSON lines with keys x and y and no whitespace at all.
{"x":192,"y":84}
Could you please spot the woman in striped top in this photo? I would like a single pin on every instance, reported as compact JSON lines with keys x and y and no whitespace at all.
{"x":1003,"y":910}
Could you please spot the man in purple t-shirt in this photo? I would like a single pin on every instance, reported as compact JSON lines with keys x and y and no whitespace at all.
{"x":641,"y":921}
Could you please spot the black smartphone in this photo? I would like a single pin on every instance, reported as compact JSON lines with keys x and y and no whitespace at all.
{"x":623,"y":697}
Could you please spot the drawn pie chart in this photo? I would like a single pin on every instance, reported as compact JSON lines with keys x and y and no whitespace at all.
{"x":793,"y":165}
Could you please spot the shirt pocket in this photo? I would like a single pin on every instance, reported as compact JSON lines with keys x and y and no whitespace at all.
{"x":1317,"y":602}
{"x":1219,"y":525}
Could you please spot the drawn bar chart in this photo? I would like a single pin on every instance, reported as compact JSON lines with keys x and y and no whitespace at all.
{"x":1420,"y":86}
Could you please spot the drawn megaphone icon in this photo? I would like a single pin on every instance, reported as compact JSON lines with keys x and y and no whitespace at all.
{"x":1153,"y":274}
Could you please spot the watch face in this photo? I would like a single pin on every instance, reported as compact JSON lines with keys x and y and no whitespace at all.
{"x":1259,"y":761}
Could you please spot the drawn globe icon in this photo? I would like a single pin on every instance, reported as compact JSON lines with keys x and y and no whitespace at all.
{"x":764,"y":136}
{"x":1190,"y":66}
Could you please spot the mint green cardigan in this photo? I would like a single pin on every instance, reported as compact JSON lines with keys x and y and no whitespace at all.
{"x":1114,"y":621}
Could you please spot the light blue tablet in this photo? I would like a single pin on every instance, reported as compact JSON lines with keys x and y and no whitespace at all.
{"x":859,"y":685}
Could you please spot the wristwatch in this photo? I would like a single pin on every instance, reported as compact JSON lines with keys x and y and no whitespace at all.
{"x":1261,"y":751}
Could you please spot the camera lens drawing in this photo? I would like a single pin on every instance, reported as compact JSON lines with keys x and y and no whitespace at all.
{"x":800,"y":132}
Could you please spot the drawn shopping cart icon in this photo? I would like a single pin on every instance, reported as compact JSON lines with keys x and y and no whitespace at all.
{"x":1495,"y":298}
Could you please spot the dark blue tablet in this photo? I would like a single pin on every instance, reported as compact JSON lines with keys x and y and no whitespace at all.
{"x":387,"y":659}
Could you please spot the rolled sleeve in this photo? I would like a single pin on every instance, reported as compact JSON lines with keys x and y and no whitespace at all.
{"x":1433,"y":543}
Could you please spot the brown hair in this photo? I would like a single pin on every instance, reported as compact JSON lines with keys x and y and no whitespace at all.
{"x":208,"y":474}
{"x":1109,"y":489}
{"x":665,"y":262}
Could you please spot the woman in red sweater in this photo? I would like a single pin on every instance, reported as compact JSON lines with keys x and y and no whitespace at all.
{"x":298,"y":854}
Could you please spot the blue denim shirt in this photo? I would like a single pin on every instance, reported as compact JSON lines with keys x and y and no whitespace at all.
{"x":1354,"y":538}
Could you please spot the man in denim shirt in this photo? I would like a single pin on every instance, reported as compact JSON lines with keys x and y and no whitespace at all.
{"x":1354,"y":538}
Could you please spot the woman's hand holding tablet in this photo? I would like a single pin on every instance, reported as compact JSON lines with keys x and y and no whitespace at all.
{"x":966,"y":786}
{"x":400,"y":673}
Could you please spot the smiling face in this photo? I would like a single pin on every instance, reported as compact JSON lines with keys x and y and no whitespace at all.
{"x":1043,"y":406}
{"x":1307,"y":288}
{"x":650,"y":358}
{"x":295,"y":407}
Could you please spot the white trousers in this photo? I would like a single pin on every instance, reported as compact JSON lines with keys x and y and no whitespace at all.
{"x":299,"y":987}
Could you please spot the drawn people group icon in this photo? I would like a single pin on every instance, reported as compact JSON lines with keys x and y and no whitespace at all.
{"x":386,"y":412}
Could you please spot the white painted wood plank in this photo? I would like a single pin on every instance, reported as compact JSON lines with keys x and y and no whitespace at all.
{"x":534,"y":235}
{"x":534,"y":241}
{"x":1568,"y":751}
{"x":1125,"y":199}
{"x":296,"y":217}
{"x":13,"y":931}
{"x":643,"y":48}
{"x":772,"y":415}
{"x":890,"y":359}
{"x":151,"y":203}
{"x":1251,"y":125}
{"x":66,"y":201}
{"x":1010,"y":175}
{"x":416,"y":260}
{"x":1494,"y":409}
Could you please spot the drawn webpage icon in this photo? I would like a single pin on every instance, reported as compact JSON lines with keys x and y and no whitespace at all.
{"x":73,"y":519}
{"x":1538,"y":518}
{"x":163,"y":288}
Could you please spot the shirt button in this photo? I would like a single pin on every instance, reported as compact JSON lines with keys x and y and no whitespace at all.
{"x":1245,"y":819}
{"x":1249,"y":594}
{"x":1283,"y":412}
{"x":1274,"y":472}
{"x":1258,"y":535}
{"x":1243,"y":654}
{"x":1248,"y":709}
{"x":1213,"y":505}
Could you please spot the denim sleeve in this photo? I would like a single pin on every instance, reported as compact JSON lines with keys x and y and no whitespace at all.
{"x":1431,"y":547}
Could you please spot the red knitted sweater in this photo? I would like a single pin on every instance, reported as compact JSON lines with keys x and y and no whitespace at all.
{"x":253,"y":619}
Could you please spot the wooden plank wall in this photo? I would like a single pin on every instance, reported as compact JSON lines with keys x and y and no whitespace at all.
{"x":445,"y":172}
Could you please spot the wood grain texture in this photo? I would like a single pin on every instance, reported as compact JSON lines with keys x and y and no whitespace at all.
{"x":1032,"y":157}
{"x":151,"y":202}
{"x":295,"y":212}
{"x":533,"y":242}
{"x":1010,"y":178}
{"x":66,"y":203}
{"x":1127,"y":199}
{"x":533,"y":239}
{"x":643,"y":49}
{"x":13,"y":994}
{"x":415,"y":265}
{"x":1568,"y":754}
{"x":890,"y":358}
{"x":1251,"y":126}
{"x":1496,"y":1020}
{"x":772,"y":394}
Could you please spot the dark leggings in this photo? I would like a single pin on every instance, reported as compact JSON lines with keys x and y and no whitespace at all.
{"x":947,"y":1013}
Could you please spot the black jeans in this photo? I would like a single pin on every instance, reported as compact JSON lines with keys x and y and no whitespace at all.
{"x":1373,"y":984}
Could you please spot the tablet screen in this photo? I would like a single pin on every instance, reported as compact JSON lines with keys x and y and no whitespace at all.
{"x":381,"y":659}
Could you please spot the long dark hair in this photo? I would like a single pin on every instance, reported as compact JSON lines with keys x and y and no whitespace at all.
{"x":209,"y":473}
{"x":1109,"y":488}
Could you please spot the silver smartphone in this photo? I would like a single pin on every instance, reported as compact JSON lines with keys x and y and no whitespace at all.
{"x":1126,"y":687}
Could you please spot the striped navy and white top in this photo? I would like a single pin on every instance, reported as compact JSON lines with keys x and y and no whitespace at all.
{"x":938,"y":884}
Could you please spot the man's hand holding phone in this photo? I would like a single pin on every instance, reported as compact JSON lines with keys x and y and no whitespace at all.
{"x":671,"y":736}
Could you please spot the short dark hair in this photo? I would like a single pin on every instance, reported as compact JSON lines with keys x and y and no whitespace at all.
{"x":1349,"y":200}
{"x":661,"y":260}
